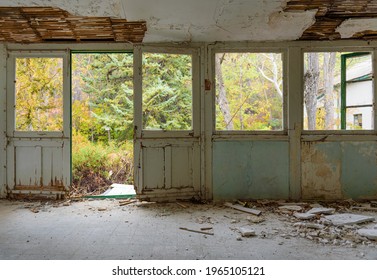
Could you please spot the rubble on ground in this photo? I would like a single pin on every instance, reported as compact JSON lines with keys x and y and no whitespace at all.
{"x":340,"y":223}
{"x":347,"y":219}
{"x":368,"y":233}
{"x":334,"y":223}
{"x":246,"y":231}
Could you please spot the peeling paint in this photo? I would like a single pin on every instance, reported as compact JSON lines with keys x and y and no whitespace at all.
{"x":339,"y":170}
{"x":351,"y":26}
{"x":111,"y":8}
{"x":321,"y":171}
{"x":210,"y":20}
{"x":182,"y":21}
{"x":295,"y":22}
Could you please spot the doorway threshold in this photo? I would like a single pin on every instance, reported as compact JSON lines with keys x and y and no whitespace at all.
{"x":117,"y":191}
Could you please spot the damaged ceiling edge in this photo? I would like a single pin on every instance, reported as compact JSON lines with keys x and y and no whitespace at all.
{"x":338,"y":19}
{"x":45,"y":24}
{"x":352,"y":27}
{"x":300,"y":21}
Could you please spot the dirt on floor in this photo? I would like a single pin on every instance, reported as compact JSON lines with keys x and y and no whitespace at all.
{"x":340,"y":223}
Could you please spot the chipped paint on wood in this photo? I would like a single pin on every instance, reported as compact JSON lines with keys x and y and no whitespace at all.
{"x":39,"y":167}
{"x":154,"y":163}
{"x":170,"y":165}
{"x":321,"y":171}
{"x":3,"y":125}
{"x":250,"y":170}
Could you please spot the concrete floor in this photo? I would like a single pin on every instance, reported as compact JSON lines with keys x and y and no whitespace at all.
{"x":101,"y":229}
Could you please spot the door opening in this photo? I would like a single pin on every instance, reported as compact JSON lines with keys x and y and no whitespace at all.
{"x":102,"y":121}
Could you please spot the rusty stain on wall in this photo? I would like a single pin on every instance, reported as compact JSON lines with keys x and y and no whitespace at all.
{"x":321,"y":171}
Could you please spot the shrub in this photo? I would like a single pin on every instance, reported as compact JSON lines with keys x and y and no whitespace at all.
{"x":96,"y":166}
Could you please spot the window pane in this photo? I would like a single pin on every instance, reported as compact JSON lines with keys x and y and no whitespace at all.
{"x":167,"y":91}
{"x":338,"y":95}
{"x":39,"y":94}
{"x":249,"y":91}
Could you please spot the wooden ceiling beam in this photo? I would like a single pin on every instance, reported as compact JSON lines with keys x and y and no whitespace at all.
{"x":40,"y":24}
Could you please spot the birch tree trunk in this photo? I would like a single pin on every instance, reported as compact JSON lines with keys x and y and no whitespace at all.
{"x":328,"y":73}
{"x":311,"y":80}
{"x":222,"y":99}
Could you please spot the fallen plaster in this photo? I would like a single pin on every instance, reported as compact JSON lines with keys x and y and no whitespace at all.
{"x":321,"y":210}
{"x":247,"y":231}
{"x":368,"y":233}
{"x":304,"y":216}
{"x":350,"y":27}
{"x":192,"y":235}
{"x":348,"y":219}
{"x":291,"y":207}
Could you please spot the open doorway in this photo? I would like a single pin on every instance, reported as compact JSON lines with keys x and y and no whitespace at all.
{"x":102,"y":121}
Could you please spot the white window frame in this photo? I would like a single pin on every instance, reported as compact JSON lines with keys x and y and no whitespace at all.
{"x":11,"y":100}
{"x":231,"y":48}
{"x":195,"y":122}
{"x":349,"y":48}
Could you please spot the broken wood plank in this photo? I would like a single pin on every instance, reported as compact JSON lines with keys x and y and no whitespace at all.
{"x":292,"y":203}
{"x":197,"y":231}
{"x":126,"y":202}
{"x":206,"y":228}
{"x":373,"y":204}
{"x":243,"y":209}
{"x":374,"y":209}
{"x":182,"y":205}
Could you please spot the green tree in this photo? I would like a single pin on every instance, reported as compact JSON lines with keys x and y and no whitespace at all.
{"x":167,"y":91}
{"x":107,"y":83}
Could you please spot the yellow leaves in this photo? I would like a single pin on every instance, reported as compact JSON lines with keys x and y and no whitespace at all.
{"x":250,"y":80}
{"x":39,"y":94}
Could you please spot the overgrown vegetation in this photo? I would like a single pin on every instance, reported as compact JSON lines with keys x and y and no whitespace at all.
{"x":249,"y":91}
{"x":96,"y":165}
{"x":102,"y":111}
{"x":102,"y":121}
{"x":249,"y":96}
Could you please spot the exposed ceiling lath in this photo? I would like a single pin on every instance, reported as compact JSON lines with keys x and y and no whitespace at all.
{"x":331,"y":15}
{"x":41,"y":24}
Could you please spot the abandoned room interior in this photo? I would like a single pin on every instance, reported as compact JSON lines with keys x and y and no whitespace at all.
{"x":249,"y":124}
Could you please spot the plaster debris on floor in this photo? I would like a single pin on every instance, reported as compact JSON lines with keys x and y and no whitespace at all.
{"x":133,"y":229}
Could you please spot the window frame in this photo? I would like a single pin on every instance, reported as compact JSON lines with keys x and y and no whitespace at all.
{"x":11,"y":98}
{"x":196,"y":109}
{"x":350,"y":48}
{"x":244,"y":133}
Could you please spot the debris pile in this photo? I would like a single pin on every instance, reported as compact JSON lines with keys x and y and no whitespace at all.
{"x":325,"y":223}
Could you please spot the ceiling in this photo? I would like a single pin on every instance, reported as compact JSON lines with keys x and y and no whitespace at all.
{"x":232,"y":20}
{"x":41,"y":24}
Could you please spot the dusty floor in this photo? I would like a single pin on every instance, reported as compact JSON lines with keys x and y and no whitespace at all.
{"x":102,"y":229}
